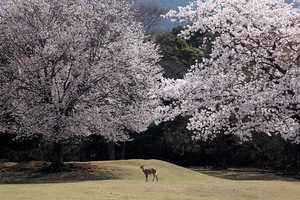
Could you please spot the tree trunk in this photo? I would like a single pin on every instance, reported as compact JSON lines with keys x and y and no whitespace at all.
{"x":57,"y":162}
{"x":111,"y":150}
{"x":122,"y":157}
{"x":293,"y":156}
{"x":224,"y":161}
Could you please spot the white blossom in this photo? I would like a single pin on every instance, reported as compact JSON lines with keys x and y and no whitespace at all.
{"x":251,"y":82}
{"x":75,"y":68}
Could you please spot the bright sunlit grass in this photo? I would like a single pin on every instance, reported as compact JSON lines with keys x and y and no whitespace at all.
{"x":174,"y":183}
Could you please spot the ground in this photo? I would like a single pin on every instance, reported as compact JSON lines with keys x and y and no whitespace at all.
{"x":247,"y":173}
{"x":39,"y":166}
{"x":36,"y":172}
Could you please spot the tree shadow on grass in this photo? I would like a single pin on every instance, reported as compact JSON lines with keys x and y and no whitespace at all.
{"x":34,"y":172}
{"x":250,"y":174}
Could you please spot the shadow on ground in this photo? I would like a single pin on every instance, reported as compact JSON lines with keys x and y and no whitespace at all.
{"x":249,"y":174}
{"x":35,"y":172}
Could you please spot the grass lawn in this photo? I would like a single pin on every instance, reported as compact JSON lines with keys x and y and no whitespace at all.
{"x":124,"y":180}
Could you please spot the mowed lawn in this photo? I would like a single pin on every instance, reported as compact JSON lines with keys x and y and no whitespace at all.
{"x":128,"y":182}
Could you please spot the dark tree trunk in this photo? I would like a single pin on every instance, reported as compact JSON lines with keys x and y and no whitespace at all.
{"x":293,"y":156}
{"x":224,"y":166}
{"x":57,"y":162}
{"x":224,"y":152}
{"x":122,"y":156}
{"x":111,"y":150}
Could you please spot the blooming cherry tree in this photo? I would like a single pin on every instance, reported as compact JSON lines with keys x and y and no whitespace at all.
{"x":251,"y":82}
{"x":75,"y":68}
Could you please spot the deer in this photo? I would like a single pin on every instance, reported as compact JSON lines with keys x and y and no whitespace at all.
{"x":149,"y":171}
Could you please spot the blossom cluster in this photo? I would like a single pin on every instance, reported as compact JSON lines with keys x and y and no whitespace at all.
{"x":251,"y":81}
{"x":71,"y":68}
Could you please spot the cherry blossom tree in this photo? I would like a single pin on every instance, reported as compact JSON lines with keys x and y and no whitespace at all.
{"x":251,"y":81}
{"x":72,"y":68}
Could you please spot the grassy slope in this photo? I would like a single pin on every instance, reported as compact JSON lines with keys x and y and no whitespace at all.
{"x":174,"y":183}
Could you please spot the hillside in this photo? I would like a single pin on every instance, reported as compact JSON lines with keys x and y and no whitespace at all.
{"x":124,"y":180}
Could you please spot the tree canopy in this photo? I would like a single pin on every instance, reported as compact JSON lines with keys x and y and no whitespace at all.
{"x":251,"y":80}
{"x":74,"y":68}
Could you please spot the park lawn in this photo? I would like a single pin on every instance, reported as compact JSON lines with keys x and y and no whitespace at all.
{"x":128,"y":182}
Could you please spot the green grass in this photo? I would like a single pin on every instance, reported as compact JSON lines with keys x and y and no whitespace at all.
{"x":126,"y":181}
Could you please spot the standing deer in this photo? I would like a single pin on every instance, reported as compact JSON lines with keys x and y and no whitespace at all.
{"x":149,"y":171}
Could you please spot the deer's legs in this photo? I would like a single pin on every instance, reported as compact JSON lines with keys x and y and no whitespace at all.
{"x":154,"y":176}
{"x":146,"y":177}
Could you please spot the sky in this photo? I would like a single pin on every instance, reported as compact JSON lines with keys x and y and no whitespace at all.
{"x":173,"y":4}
